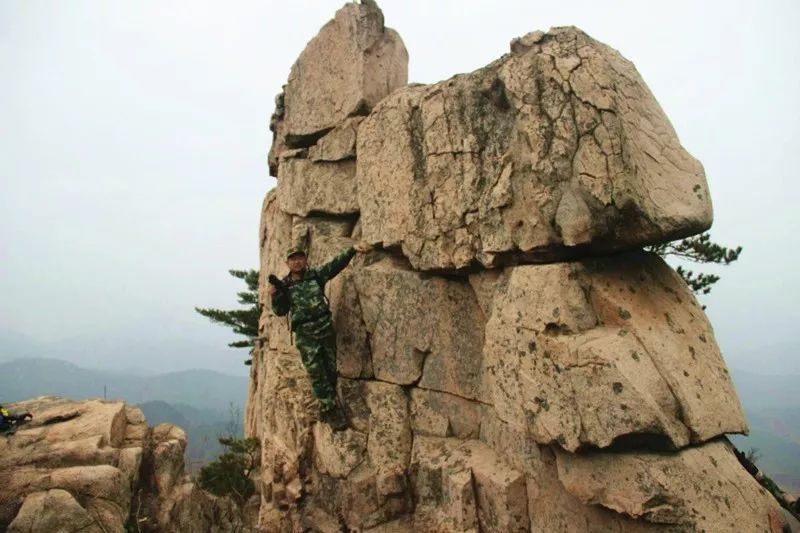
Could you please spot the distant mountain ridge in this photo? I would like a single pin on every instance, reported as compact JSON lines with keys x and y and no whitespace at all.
{"x":203,"y":428}
{"x":772,"y":408}
{"x":202,"y":389}
{"x":166,"y":349}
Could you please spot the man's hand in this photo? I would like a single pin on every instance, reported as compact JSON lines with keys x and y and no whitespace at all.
{"x":274,"y":284}
{"x":362,"y":247}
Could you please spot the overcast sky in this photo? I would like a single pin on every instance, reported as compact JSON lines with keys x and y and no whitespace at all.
{"x":133,"y":142}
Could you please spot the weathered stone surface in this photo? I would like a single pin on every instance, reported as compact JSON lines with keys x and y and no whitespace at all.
{"x":322,"y":237}
{"x":285,"y":409}
{"x":188,"y":508}
{"x":345,"y":70}
{"x":701,"y":488}
{"x":354,"y":500}
{"x":389,"y":439}
{"x":401,"y":525}
{"x":554,"y":148}
{"x":130,"y":463}
{"x":485,"y":284}
{"x":306,"y":186}
{"x":589,"y":352}
{"x":78,"y":466}
{"x":353,"y":393}
{"x":463,"y":511}
{"x":252,"y":408}
{"x":339,"y":144}
{"x":63,"y":421}
{"x":439,"y":414}
{"x":363,"y":506}
{"x":102,"y":489}
{"x":136,"y":428}
{"x":278,"y":129}
{"x":86,"y":450}
{"x":71,"y":447}
{"x":518,"y":448}
{"x":337,"y":453}
{"x":441,"y":468}
{"x":170,"y":444}
{"x":552,"y":508}
{"x":406,"y":345}
{"x":53,"y":511}
{"x":353,"y":356}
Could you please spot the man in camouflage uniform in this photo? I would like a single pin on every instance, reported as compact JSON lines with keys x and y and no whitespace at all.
{"x":301,"y":294}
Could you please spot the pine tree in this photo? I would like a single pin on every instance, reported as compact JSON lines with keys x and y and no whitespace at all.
{"x":698,"y":249}
{"x":230,"y":473}
{"x":242,"y":321}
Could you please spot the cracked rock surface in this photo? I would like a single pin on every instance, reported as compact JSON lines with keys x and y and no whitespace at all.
{"x":555,"y":149}
{"x":509,"y":358}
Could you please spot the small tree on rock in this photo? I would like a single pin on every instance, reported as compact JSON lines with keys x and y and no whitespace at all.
{"x":698,"y":249}
{"x":229,"y":475}
{"x":242,"y":321}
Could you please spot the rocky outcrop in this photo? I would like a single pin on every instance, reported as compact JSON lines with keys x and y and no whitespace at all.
{"x":490,"y":384}
{"x":556,"y":149}
{"x":600,"y":350}
{"x":96,"y":466}
{"x":344,"y":71}
{"x":353,"y":63}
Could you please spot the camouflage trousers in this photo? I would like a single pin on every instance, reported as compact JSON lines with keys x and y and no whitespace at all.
{"x":318,"y":353}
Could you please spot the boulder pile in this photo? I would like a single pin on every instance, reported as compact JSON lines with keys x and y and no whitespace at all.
{"x":96,"y":466}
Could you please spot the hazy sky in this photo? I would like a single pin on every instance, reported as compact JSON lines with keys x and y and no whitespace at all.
{"x":133,"y":142}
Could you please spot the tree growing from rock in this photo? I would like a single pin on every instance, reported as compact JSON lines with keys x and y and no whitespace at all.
{"x":242,"y":321}
{"x":698,"y":249}
{"x":230,"y":474}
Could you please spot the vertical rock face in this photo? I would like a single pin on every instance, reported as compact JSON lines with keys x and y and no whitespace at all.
{"x":487,"y":391}
{"x":96,"y":466}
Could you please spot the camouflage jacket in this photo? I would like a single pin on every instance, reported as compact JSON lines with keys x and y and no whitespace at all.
{"x":305,"y":298}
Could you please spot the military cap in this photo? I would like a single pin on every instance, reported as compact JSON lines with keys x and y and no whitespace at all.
{"x":294,"y":250}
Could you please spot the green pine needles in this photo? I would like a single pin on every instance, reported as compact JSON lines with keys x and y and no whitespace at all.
{"x":698,"y":249}
{"x":242,"y":321}
{"x":229,"y":475}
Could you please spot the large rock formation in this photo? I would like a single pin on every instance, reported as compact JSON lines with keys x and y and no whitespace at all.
{"x":555,"y":150}
{"x":96,"y":466}
{"x":490,"y":384}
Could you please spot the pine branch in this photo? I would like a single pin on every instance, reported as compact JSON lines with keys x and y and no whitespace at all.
{"x":698,"y":249}
{"x":241,"y":321}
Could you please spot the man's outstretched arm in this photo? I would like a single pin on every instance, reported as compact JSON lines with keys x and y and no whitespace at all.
{"x":329,"y":270}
